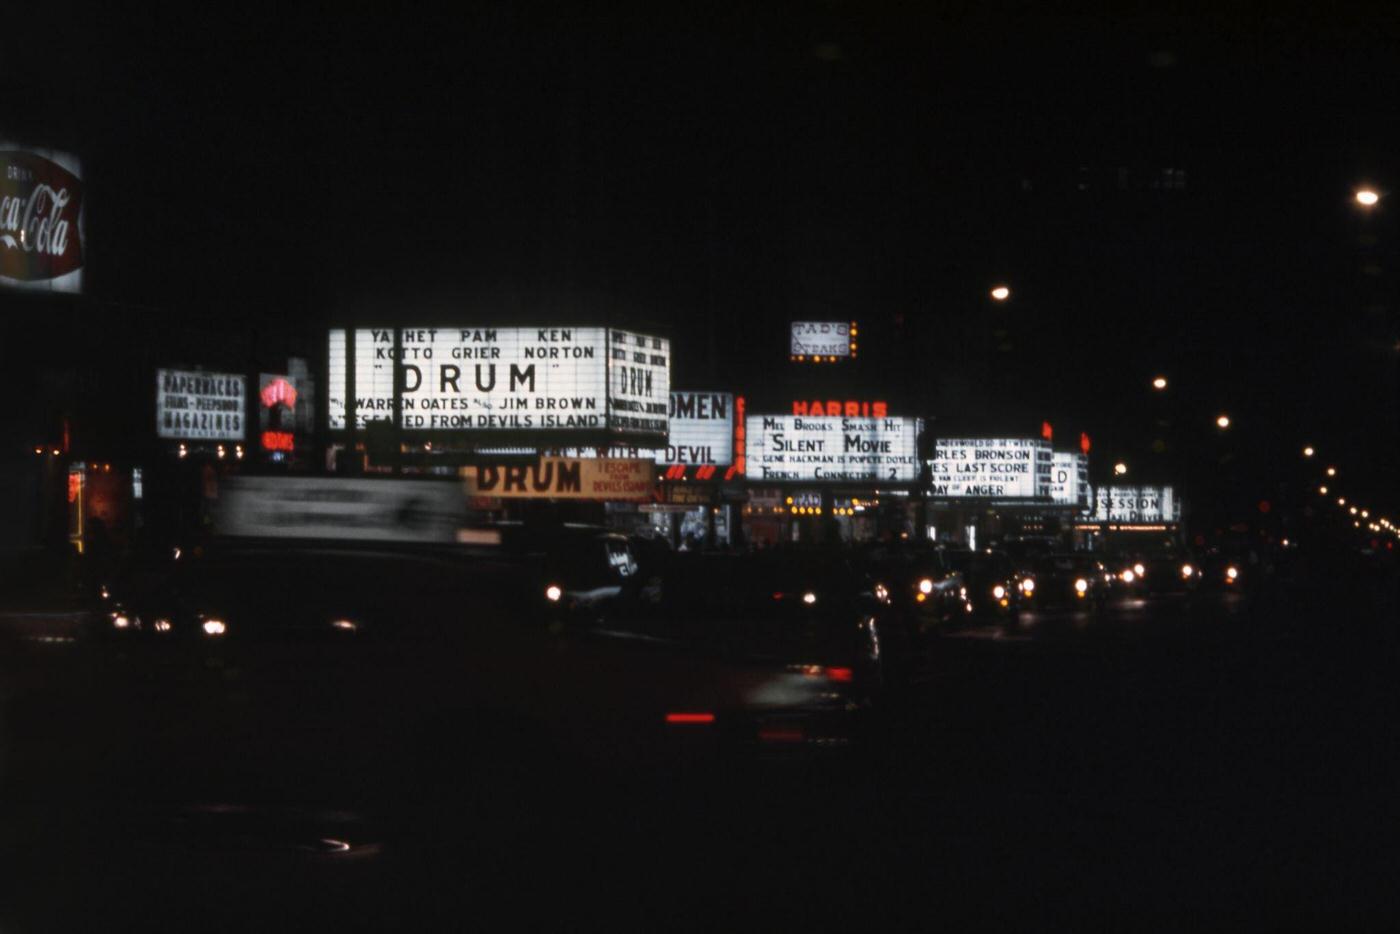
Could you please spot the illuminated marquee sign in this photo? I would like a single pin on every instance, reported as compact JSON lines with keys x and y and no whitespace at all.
{"x":823,"y":341}
{"x":794,"y":447}
{"x":992,"y":468}
{"x":200,"y":406}
{"x":41,"y":220}
{"x":1136,"y":504}
{"x":1069,"y":480}
{"x":701,"y":443}
{"x":597,"y":478}
{"x":505,"y":379}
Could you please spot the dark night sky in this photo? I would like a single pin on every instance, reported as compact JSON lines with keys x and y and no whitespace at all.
{"x":720,"y":172}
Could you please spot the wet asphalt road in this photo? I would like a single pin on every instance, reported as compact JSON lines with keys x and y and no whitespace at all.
{"x":1216,"y":760}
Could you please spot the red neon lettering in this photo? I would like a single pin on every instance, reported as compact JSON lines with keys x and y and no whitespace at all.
{"x":278,"y":441}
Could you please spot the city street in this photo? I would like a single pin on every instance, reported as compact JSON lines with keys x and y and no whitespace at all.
{"x":1177,"y":760}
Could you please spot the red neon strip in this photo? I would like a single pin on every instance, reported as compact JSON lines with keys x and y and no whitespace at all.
{"x":690,"y":718}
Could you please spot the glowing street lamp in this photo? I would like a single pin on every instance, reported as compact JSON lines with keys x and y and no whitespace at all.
{"x":1222,"y":421}
{"x":1159,"y":383}
{"x":1120,"y":468}
{"x":1308,"y":451}
{"x":1331,"y":471}
{"x":1000,"y":293}
{"x":1322,"y":490}
{"x":1367,"y":197}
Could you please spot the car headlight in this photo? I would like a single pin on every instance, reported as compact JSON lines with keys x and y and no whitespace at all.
{"x":123,"y":620}
{"x":998,"y":591}
{"x":882,"y":593}
{"x":1232,"y":573}
{"x":925,"y":586}
{"x":1139,"y":570}
{"x":553,"y":593}
{"x":1128,"y":576}
{"x":213,"y":627}
{"x":1187,"y":571}
{"x":1081,"y":586}
{"x":1028,"y":585}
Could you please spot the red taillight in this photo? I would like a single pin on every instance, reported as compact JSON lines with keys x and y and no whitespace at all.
{"x":690,"y":718}
{"x":840,"y":674}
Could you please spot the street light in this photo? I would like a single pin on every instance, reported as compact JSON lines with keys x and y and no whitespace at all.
{"x":1367,"y":197}
{"x":1331,"y":471}
{"x":1322,"y":490}
{"x":1222,"y":422}
{"x":1308,"y":451}
{"x":1159,"y":383}
{"x":1001,"y":293}
{"x":1120,"y":468}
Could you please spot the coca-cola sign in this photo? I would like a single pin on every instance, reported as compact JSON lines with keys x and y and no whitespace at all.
{"x":41,"y":237}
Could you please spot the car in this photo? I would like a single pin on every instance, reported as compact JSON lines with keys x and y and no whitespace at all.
{"x":1066,"y":580}
{"x":991,"y":582}
{"x":918,"y":581}
{"x":808,"y":617}
{"x":368,"y":670}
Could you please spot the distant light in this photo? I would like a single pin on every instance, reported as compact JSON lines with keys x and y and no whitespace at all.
{"x":1308,"y":451}
{"x":1331,"y":471}
{"x":1232,"y":572}
{"x":344,"y":624}
{"x":998,"y":591}
{"x":1028,"y":586}
{"x":1159,"y":383}
{"x":809,"y":598}
{"x":1081,"y":586}
{"x":1187,"y":571}
{"x":38,"y":450}
{"x":690,"y":718}
{"x":120,"y":620}
{"x":54,"y":452}
{"x":162,"y":625}
{"x":1353,"y":510}
{"x":1365,"y":514}
{"x":1222,"y":421}
{"x":1129,"y":576}
{"x":1341,"y":500}
{"x":553,"y":593}
{"x":925,"y":586}
{"x":214,"y":627}
{"x":1322,"y":490}
{"x":238,"y":451}
{"x":1001,"y":293}
{"x":1139,"y":570}
{"x":1367,"y":197}
{"x":1120,"y":468}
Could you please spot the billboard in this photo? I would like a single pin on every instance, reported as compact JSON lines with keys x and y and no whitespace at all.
{"x":596,"y":478}
{"x":1136,"y":504}
{"x":794,"y":447}
{"x":198,"y":406}
{"x":702,"y":430}
{"x":992,"y":468}
{"x":41,"y":219}
{"x":823,"y":340}
{"x":504,"y":379}
{"x":1069,"y":480}
{"x":340,"y":509}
